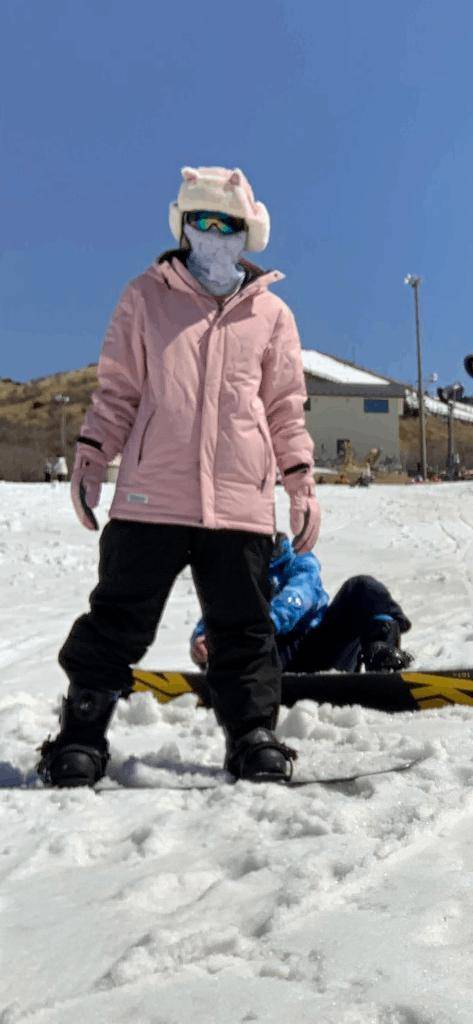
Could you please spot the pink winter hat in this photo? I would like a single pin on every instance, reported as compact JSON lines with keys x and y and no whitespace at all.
{"x":217,"y":188}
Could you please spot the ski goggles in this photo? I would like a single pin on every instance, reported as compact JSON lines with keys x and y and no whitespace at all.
{"x":203,"y":220}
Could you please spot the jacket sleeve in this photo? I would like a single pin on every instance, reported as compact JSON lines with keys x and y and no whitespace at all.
{"x":121,"y":373}
{"x":302,"y":592}
{"x":283,"y":392}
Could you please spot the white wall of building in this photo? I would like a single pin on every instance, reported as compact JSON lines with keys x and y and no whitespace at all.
{"x":332,"y":417}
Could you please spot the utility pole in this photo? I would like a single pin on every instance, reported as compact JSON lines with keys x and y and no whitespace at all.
{"x":63,"y":401}
{"x":414,"y":282}
{"x":451,"y":394}
{"x":451,"y":446}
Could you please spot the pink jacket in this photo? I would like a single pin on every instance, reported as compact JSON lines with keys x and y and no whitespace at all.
{"x":202,"y":399}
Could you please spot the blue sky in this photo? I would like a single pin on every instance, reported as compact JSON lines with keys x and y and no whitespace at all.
{"x":352,"y":119}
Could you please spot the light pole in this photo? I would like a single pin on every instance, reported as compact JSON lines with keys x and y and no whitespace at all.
{"x":63,"y":401}
{"x":450,"y":395}
{"x":414,"y":283}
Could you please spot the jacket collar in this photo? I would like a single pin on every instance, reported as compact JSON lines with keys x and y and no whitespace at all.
{"x":172,"y":267}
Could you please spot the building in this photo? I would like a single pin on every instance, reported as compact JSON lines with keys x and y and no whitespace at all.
{"x":348,"y":403}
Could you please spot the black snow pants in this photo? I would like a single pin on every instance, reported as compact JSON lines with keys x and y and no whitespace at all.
{"x":138,"y":565}
{"x":337,"y":642}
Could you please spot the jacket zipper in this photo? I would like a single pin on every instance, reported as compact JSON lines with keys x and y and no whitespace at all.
{"x":143,"y":436}
{"x":266,"y":464}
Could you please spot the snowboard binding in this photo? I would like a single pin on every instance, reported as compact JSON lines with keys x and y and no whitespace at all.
{"x":71,"y":764}
{"x":79,"y":754}
{"x":259,"y":757}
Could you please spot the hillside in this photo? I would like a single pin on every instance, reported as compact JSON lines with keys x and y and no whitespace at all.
{"x":436,"y":441}
{"x":30,"y":420}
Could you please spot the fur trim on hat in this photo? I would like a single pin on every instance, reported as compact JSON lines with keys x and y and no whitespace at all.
{"x":226,"y":191}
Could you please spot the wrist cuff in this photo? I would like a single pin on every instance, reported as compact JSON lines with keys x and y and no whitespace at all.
{"x":301,"y":467}
{"x":90,"y":441}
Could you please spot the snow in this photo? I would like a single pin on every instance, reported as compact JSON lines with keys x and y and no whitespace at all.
{"x":329,"y":368}
{"x":350,"y":904}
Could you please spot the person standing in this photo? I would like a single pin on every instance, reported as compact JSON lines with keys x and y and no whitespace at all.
{"x":59,"y":470}
{"x":201,"y":387}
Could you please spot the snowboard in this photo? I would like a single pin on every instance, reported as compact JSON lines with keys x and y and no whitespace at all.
{"x":383,"y":691}
{"x":205,"y":779}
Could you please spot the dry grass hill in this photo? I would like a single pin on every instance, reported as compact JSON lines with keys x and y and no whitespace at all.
{"x":436,"y":440}
{"x":30,"y":425}
{"x":30,"y":420}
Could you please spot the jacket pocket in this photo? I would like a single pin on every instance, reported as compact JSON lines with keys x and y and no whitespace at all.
{"x":143,"y":438}
{"x":267,"y":456}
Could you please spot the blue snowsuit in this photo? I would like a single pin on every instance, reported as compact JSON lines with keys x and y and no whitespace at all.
{"x":311,"y":634}
{"x":299,"y":600}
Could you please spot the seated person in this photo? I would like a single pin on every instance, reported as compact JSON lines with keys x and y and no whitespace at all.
{"x":362,"y":625}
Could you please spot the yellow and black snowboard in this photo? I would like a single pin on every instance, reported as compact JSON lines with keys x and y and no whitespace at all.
{"x":384,"y":691}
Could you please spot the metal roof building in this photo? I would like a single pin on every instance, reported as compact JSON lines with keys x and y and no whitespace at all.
{"x":349,"y":403}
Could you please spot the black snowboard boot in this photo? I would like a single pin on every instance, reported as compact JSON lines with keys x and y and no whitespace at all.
{"x":381,"y":647}
{"x":79,"y":754}
{"x":259,"y":757}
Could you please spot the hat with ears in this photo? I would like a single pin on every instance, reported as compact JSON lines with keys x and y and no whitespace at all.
{"x":224,"y":191}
